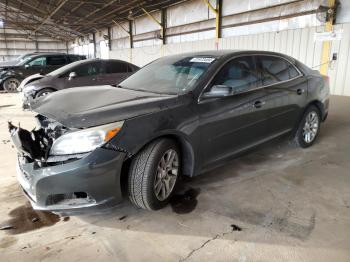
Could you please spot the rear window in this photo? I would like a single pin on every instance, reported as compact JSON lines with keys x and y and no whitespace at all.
{"x":56,"y":60}
{"x":116,"y":67}
{"x":74,"y":58}
{"x":276,"y":69}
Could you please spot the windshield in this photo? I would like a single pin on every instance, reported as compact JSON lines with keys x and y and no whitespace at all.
{"x":64,"y":69}
{"x":169,"y":75}
{"x":24,"y":59}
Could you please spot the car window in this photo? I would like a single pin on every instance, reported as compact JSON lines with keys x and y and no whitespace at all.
{"x":56,"y":60}
{"x":40,"y":61}
{"x":275,"y":69}
{"x":89,"y":69}
{"x":113,"y":67}
{"x":240,"y":74}
{"x":131,"y":68}
{"x":74,"y":58}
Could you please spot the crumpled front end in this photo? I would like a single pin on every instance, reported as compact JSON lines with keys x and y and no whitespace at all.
{"x":69,"y":184}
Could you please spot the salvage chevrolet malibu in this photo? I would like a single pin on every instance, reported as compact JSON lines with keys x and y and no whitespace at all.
{"x":178,"y":116}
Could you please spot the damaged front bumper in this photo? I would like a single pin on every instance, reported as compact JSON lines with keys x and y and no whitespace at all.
{"x":69,"y":184}
{"x":91,"y":183}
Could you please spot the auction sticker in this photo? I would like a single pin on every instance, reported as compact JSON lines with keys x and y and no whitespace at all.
{"x":202,"y":60}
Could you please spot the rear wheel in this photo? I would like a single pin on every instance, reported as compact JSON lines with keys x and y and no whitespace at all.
{"x":43,"y":92}
{"x":309,"y":127}
{"x":11,"y":84}
{"x":153,"y":174}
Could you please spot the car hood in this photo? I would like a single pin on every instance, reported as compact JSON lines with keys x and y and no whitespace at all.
{"x":40,"y":80}
{"x":8,"y":63}
{"x":31,"y":80}
{"x":9,"y":67}
{"x":83,"y":107}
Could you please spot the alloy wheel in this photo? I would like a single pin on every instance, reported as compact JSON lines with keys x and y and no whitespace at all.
{"x":166,"y":176}
{"x":311,"y":126}
{"x":11,"y":85}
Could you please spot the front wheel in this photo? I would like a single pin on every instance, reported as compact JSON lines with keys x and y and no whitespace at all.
{"x":11,"y":84}
{"x":309,"y":127}
{"x":43,"y":92}
{"x":153,"y":174}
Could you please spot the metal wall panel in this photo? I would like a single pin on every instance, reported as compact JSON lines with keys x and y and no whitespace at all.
{"x":298,"y":43}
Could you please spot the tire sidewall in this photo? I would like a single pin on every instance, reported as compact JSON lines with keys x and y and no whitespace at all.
{"x":7,"y":80}
{"x":299,"y":137}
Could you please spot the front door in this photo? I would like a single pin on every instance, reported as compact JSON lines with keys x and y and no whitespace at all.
{"x":87,"y":74}
{"x":34,"y":66}
{"x":237,"y":122}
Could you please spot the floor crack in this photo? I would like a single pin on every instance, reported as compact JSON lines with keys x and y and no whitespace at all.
{"x":205,"y":243}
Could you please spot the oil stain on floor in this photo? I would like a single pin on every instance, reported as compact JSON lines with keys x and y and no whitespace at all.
{"x":25,"y":218}
{"x":186,"y":202}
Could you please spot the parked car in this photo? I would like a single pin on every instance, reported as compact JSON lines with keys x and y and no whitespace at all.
{"x":81,"y":73}
{"x":178,"y":116}
{"x":21,"y":58}
{"x":43,"y":63}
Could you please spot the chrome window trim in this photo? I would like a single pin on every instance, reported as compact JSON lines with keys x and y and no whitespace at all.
{"x":257,"y":88}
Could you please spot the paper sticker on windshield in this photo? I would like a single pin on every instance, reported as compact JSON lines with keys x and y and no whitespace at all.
{"x":202,"y":60}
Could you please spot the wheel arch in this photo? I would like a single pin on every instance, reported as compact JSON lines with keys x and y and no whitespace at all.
{"x":45,"y":88}
{"x":187,"y":152}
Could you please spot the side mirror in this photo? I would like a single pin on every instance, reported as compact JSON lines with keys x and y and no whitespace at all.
{"x":72,"y":75}
{"x":218,"y":91}
{"x":27,"y":66}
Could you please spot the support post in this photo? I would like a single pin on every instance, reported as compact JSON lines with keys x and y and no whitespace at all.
{"x":131,"y":34}
{"x":109,"y":39}
{"x":164,"y":25}
{"x":326,"y":47}
{"x":131,"y":41}
{"x":161,"y":23}
{"x":94,"y":42}
{"x":218,"y":19}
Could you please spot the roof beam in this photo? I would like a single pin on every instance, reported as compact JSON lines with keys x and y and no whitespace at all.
{"x":51,"y":14}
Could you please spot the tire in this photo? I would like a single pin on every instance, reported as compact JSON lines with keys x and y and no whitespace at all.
{"x":11,"y":84}
{"x":307,"y":133}
{"x":149,"y":174}
{"x":44,"y":92}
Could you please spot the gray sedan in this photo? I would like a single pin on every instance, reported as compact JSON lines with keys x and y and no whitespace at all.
{"x":178,"y":116}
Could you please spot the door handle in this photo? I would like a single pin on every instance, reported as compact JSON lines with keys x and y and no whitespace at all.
{"x":300,"y":91}
{"x":258,"y":104}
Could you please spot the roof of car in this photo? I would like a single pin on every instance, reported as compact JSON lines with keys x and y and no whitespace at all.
{"x":49,"y":53}
{"x":222,"y":53}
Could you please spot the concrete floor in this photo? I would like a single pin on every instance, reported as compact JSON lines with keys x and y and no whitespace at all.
{"x":279,"y":203}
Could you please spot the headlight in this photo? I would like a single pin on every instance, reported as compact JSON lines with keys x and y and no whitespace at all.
{"x":85,"y":140}
{"x":28,"y":90}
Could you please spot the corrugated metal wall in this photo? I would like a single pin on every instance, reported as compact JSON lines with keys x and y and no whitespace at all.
{"x":298,"y":43}
{"x":14,"y":43}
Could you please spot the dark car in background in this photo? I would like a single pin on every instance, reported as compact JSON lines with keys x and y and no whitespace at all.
{"x":178,"y":116}
{"x":43,"y":63}
{"x":90,"y":72}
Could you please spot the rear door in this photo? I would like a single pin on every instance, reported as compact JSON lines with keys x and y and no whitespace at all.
{"x":286,"y":90}
{"x":234,"y":123}
{"x":54,"y":62}
{"x":114,"y":72}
